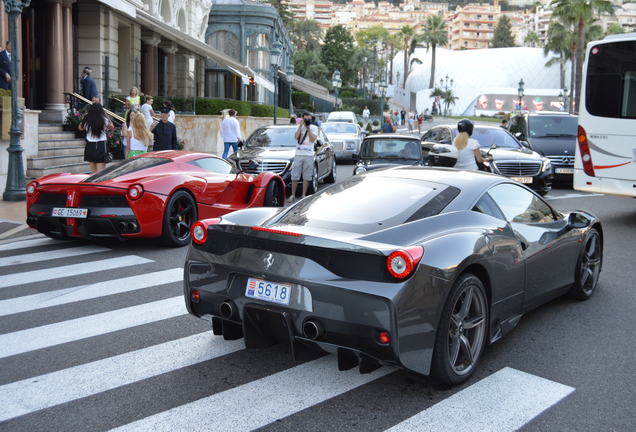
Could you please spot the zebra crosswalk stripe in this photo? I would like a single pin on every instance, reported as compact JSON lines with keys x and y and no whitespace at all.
{"x":90,"y":291}
{"x":70,"y":270}
{"x":23,"y":244}
{"x":502,"y":402}
{"x":33,"y":394}
{"x":50,"y":255}
{"x":93,"y":325}
{"x":260,"y":402}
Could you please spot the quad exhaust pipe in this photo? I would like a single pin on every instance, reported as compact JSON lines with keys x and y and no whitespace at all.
{"x":127,"y":227}
{"x":227,"y":309}
{"x":312,"y":329}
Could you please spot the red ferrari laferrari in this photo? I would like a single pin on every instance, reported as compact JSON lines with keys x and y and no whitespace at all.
{"x":159,"y":194}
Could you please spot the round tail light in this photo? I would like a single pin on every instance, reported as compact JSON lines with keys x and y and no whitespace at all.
{"x":32,"y":188}
{"x":135,"y":191}
{"x":403,"y":262}
{"x":199,"y":231}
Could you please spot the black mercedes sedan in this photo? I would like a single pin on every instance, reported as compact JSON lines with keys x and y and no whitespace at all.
{"x":511,"y":158}
{"x":272,"y":148}
{"x":384,"y":150}
{"x":410,"y":266}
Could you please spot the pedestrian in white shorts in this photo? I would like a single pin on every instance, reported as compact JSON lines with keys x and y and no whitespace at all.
{"x":303,"y":165}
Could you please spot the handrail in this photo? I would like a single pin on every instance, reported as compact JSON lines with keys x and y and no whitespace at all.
{"x":157,"y":119}
{"x":110,"y":113}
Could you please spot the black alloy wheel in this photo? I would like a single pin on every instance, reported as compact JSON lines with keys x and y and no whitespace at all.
{"x":461,"y":335}
{"x":588,"y":268}
{"x":274,"y":195}
{"x":331,"y":178}
{"x":180,"y":214}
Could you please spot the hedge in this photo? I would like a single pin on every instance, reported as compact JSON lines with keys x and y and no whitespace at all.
{"x":207,"y":106}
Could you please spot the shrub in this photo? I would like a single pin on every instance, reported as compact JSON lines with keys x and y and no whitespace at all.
{"x":376,"y":123}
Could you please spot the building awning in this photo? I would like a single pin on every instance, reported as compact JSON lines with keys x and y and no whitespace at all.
{"x":262,"y":81}
{"x":310,"y":87}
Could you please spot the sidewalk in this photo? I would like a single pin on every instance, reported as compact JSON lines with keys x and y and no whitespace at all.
{"x":13,"y":220}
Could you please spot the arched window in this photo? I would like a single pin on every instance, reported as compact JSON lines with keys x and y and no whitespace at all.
{"x":166,"y":11}
{"x":181,"y":21}
{"x":226,"y":42}
{"x":258,"y":51}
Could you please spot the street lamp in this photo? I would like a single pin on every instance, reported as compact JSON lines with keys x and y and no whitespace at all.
{"x":15,"y":188}
{"x":290,"y":80}
{"x":397,"y":83}
{"x":336,"y":82}
{"x":566,"y":107}
{"x":520,"y":93}
{"x":275,"y":54}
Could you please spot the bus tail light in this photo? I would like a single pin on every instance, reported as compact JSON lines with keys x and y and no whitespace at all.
{"x":584,"y":148}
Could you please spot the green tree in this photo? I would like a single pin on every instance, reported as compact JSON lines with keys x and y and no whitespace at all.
{"x":502,"y":37}
{"x":305,"y":34}
{"x":336,"y":52}
{"x":434,"y":35}
{"x":407,"y":38}
{"x":532,"y":40}
{"x":369,"y":38}
{"x":307,"y":64}
{"x":283,"y":10}
{"x":614,"y":28}
{"x":449,"y":98}
{"x":560,"y":40}
{"x":581,"y":13}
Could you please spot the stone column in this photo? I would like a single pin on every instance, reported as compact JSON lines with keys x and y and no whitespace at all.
{"x":68,"y":47}
{"x":170,"y":49}
{"x":54,"y":108}
{"x":149,"y":63}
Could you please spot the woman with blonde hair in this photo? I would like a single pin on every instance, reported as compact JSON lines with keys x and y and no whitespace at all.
{"x":133,"y":100}
{"x":139,"y":137}
{"x":468,"y":149}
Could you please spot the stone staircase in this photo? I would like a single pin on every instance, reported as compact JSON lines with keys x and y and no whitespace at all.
{"x":58,"y":151}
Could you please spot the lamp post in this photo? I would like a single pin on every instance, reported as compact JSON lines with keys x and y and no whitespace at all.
{"x":397,"y":81}
{"x":290,"y":81}
{"x":275,"y":53}
{"x":383,"y":88}
{"x":565,"y":100}
{"x":520,"y":93}
{"x":336,"y":82}
{"x":14,"y":190}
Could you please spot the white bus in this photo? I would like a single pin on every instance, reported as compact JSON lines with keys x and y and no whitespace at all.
{"x":606,"y":152}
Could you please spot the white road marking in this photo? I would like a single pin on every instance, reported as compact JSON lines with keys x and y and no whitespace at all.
{"x":573,"y":195}
{"x":44,"y":391}
{"x":87,"y":292}
{"x":70,"y":270}
{"x":262,"y":401}
{"x":93,"y":325}
{"x":40,"y":241}
{"x":50,"y":255}
{"x":504,"y":401}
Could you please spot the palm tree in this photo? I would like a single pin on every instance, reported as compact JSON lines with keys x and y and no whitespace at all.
{"x":407,"y":34}
{"x":560,"y":41}
{"x":581,"y":13}
{"x":393,"y":43}
{"x":532,"y":39}
{"x":449,"y":99}
{"x":434,"y":35}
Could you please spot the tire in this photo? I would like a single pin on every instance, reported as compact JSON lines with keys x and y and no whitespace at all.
{"x":313,"y":186}
{"x":331,"y":178}
{"x":179,"y":215}
{"x":458,"y":347}
{"x":274,"y":195}
{"x":588,"y":267}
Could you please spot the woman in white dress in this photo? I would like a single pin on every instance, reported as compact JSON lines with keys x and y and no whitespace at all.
{"x":468,"y":150}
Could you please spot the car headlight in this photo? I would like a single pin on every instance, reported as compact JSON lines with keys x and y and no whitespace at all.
{"x":350,"y":145}
{"x":547,"y":165}
{"x":359,"y":170}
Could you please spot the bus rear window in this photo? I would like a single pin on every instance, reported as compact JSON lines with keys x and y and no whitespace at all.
{"x":611,"y":80}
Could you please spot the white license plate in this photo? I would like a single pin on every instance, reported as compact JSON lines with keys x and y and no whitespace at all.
{"x":564,"y":170}
{"x":69,"y":212}
{"x":268,"y":291}
{"x":524,"y":180}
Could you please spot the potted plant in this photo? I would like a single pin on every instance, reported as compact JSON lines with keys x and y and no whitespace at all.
{"x":115,"y":142}
{"x":72,"y":121}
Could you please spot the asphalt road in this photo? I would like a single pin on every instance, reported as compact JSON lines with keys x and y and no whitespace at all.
{"x":94,"y":338}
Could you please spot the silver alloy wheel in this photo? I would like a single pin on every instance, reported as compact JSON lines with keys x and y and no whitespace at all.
{"x":333,"y":170}
{"x":591,"y":263}
{"x":314,"y":179}
{"x":467,"y":330}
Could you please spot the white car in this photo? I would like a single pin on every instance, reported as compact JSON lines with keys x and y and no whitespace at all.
{"x":342,"y":116}
{"x":345,"y":138}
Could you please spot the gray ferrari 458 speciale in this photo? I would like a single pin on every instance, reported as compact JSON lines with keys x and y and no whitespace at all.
{"x":409,"y":266}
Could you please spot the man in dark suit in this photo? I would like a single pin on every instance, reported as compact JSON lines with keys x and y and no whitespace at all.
{"x":5,"y":67}
{"x":88,"y":88}
{"x":165,"y":133}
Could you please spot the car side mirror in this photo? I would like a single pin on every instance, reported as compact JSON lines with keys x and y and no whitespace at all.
{"x":519,"y":136}
{"x":526,"y":144}
{"x":240,"y":144}
{"x":575,"y":220}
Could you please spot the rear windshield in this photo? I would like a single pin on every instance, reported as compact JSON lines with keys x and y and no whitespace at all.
{"x":339,"y":128}
{"x":497,"y":136}
{"x":391,"y":149}
{"x":611,"y":80}
{"x":553,"y":126}
{"x":126,"y":167}
{"x":366,"y":204}
{"x":275,"y":137}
